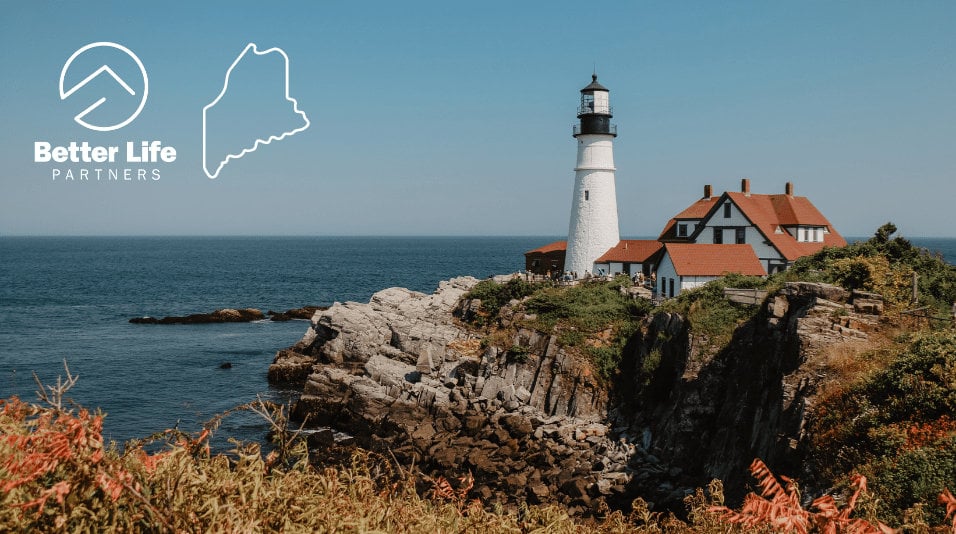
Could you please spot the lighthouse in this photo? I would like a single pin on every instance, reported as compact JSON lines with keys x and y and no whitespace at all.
{"x":593,"y":229}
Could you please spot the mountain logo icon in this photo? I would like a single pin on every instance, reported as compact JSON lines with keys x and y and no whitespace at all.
{"x":80,"y":118}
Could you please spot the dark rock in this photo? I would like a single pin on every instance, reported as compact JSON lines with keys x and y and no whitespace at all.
{"x":576,"y":488}
{"x":538,"y":493}
{"x":305,"y":312}
{"x":518,"y":425}
{"x":290,"y":367}
{"x":321,"y":438}
{"x":225,"y":365}
{"x":226,"y":315}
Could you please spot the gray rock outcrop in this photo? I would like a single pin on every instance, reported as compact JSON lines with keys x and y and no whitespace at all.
{"x":401,"y":374}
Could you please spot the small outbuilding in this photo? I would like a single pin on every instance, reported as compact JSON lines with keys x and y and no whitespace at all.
{"x":689,"y":265}
{"x":630,"y":257}
{"x":548,"y":259}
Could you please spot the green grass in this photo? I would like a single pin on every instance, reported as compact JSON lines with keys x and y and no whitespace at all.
{"x":710,"y":314}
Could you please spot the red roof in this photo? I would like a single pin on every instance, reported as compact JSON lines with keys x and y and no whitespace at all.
{"x":695,"y":259}
{"x":770,"y":214}
{"x":550,"y":247}
{"x":697,"y":210}
{"x":631,"y":251}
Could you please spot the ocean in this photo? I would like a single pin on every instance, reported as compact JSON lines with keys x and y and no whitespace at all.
{"x":70,"y":298}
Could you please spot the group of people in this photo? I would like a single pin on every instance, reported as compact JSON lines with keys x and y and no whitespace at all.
{"x":569,"y":276}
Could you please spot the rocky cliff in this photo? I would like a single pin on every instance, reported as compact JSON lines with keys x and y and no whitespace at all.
{"x":712,"y":412}
{"x":403,"y":373}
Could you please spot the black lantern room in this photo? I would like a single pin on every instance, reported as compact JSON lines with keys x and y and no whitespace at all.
{"x":595,"y":111}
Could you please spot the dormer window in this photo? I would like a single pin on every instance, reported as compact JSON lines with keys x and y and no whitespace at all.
{"x":810,"y":234}
{"x":682,"y":230}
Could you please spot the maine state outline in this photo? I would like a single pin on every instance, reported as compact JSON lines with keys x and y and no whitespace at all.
{"x":245,"y":114}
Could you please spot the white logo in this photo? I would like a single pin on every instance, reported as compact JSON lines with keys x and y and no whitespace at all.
{"x":79,"y":118}
{"x":259,"y":141}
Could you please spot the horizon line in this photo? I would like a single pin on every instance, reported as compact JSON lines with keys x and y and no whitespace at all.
{"x":381,"y":236}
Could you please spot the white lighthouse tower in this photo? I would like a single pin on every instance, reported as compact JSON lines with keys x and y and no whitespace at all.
{"x":593,"y":229}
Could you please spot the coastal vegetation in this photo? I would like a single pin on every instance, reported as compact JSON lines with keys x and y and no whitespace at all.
{"x":880,"y":452}
{"x":883,"y":264}
{"x":893,"y":423}
{"x":58,"y":475}
{"x":593,"y":319}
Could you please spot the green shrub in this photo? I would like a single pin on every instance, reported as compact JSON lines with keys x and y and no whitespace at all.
{"x":517,"y":354}
{"x":709,"y":313}
{"x":895,"y":426}
{"x":882,"y":264}
{"x":494,"y":296}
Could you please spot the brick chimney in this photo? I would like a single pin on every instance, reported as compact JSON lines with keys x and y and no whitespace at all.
{"x":708,"y":191}
{"x":745,"y":186}
{"x":789,"y":189}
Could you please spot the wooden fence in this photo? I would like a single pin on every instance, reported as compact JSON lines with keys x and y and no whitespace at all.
{"x":745,"y":296}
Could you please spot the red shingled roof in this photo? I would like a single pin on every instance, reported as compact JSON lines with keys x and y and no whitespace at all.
{"x":550,"y":247}
{"x":697,"y":210}
{"x":769,"y":212}
{"x":630,"y":251}
{"x":694,"y":259}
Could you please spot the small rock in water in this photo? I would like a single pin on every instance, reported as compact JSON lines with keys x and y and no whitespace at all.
{"x":225,"y":365}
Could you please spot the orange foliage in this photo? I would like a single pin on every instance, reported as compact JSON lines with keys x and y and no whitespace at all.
{"x":779,"y":508}
{"x":923,"y":434}
{"x":442,"y":490}
{"x":946,"y":498}
{"x":61,"y":445}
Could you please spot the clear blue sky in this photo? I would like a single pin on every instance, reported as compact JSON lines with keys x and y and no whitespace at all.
{"x":447,"y":118}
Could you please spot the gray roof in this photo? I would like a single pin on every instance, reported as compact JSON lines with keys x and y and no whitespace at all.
{"x":594,"y":86}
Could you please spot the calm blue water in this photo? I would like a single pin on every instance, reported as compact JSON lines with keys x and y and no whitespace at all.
{"x":70,"y":298}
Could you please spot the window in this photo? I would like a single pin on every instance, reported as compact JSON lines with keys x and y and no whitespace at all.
{"x":587,"y":194}
{"x":810,"y":234}
{"x":671,"y":284}
{"x":727,"y":210}
{"x":718,"y":235}
{"x":535,"y":263}
{"x":741,"y":236}
{"x":682,"y":230}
